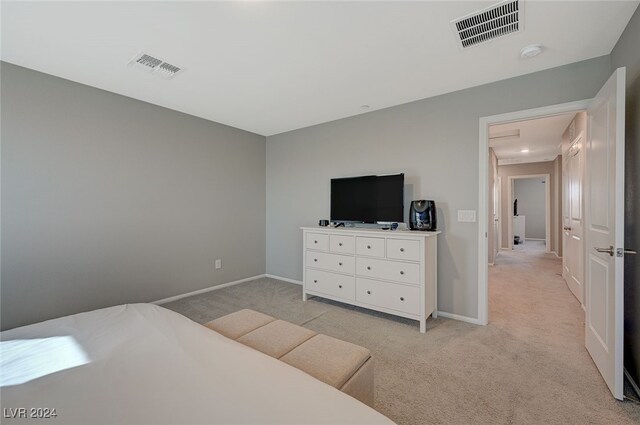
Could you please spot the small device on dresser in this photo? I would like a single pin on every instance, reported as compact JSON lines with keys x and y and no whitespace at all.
{"x":422,"y":215}
{"x":323,"y":223}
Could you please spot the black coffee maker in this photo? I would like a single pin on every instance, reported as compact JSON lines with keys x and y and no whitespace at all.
{"x":422,"y":215}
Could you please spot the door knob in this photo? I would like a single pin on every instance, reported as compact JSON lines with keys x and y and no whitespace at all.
{"x":606,"y":250}
{"x":630,"y":251}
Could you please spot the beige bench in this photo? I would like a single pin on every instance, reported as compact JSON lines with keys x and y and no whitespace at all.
{"x":340,"y":364}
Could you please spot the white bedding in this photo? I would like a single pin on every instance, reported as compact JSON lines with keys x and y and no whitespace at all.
{"x":144,"y":364}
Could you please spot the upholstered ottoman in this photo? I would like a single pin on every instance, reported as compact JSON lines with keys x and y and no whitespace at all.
{"x":340,"y":364}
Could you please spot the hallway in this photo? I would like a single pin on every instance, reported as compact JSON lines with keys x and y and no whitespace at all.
{"x":529,"y":300}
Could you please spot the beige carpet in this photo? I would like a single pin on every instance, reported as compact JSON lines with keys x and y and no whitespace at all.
{"x":528,"y":366}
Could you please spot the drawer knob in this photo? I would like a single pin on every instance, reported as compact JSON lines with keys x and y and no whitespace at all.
{"x":401,"y":298}
{"x":339,"y":286}
{"x":315,"y":241}
{"x":368,"y":246}
{"x":368,"y":267}
{"x":315,"y":260}
{"x":339,"y":264}
{"x":401,"y":249}
{"x":369,"y":292}
{"x":315,"y":281}
{"x":401,"y":272}
{"x":339,"y":243}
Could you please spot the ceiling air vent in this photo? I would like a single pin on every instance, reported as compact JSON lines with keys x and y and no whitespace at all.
{"x":487,"y":24}
{"x":155,"y":66}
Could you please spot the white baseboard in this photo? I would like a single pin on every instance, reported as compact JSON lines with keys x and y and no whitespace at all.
{"x":459,"y":317}
{"x":505,"y":249}
{"x":556,"y":254}
{"x":632,"y":382}
{"x":286,"y":279}
{"x":534,"y":239}
{"x":211,"y":288}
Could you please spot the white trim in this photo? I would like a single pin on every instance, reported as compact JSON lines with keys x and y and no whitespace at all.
{"x":556,"y":254}
{"x":547,"y":208}
{"x":211,"y":288}
{"x":285,"y":279}
{"x":632,"y":382}
{"x":534,"y":239}
{"x":459,"y":317}
{"x":483,"y":187}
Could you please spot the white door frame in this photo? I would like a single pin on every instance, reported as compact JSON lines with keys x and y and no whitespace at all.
{"x":483,"y":187}
{"x":547,"y":208}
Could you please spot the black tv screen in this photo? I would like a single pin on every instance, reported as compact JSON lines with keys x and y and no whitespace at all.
{"x":368,"y":199}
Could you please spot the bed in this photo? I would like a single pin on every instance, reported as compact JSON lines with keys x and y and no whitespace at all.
{"x":144,"y":364}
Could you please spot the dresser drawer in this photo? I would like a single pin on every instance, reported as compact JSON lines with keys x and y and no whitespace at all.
{"x":317,"y":241}
{"x":388,"y":270}
{"x":388,"y":295}
{"x":403,"y":249}
{"x":373,"y":247}
{"x":333,"y":284}
{"x":332,"y":262}
{"x":342,"y":244}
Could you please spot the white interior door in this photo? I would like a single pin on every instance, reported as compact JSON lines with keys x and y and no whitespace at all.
{"x":604,"y":231}
{"x":496,"y":216}
{"x":573,"y":219}
{"x":565,"y":219}
{"x":498,"y":207}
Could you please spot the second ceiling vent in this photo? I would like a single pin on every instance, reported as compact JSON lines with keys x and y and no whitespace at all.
{"x":487,"y":24}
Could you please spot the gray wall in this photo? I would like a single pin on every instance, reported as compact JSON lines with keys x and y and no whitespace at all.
{"x":434,"y":142}
{"x":109,"y":200}
{"x":531,"y":196}
{"x":549,"y":167}
{"x":626,"y":53}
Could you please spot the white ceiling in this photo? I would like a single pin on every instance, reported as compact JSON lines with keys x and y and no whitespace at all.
{"x":541,"y":136}
{"x":270,"y":67}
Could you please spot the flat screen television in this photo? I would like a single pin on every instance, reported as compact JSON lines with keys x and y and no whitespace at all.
{"x":368,"y":199}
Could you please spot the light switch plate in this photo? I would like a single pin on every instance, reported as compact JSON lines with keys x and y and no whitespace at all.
{"x":467,"y":216}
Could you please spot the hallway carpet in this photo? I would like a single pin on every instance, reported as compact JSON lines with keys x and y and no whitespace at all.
{"x":528,"y":366}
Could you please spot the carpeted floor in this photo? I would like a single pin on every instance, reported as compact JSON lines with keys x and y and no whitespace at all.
{"x":528,"y":366}
{"x":530,"y":245}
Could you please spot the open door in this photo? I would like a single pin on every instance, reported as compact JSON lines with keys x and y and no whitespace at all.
{"x":604,"y":231}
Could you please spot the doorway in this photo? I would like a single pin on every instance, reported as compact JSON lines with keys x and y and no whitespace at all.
{"x":529,"y":206}
{"x":603,"y":203}
{"x":483,"y":211}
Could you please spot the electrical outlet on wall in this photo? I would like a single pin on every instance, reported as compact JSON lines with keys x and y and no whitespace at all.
{"x":218,"y":264}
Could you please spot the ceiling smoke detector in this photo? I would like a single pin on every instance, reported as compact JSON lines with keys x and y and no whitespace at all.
{"x":155,"y":66}
{"x":531,"y":51}
{"x":493,"y":22}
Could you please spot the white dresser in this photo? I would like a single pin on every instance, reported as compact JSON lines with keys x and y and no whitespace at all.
{"x":390,"y":271}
